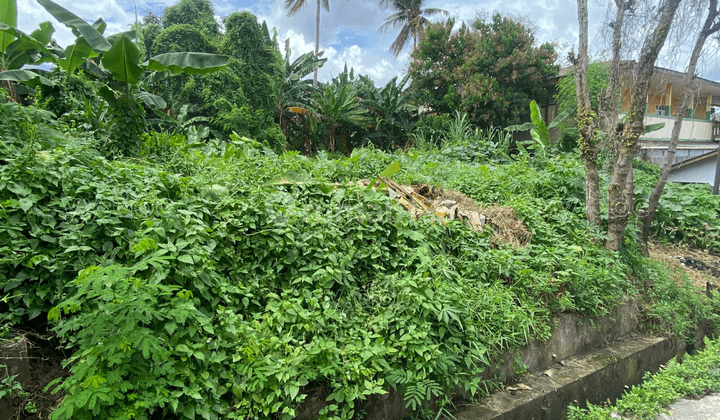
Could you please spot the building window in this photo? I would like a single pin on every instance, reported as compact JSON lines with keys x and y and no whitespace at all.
{"x":659,"y":110}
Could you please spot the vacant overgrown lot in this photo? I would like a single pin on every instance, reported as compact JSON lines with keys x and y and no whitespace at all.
{"x":225,"y":281}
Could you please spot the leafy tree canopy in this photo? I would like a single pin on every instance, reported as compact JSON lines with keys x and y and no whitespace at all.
{"x":598,"y":75}
{"x":260,"y":67}
{"x":491,"y":70}
{"x":183,"y":37}
{"x":197,"y":13}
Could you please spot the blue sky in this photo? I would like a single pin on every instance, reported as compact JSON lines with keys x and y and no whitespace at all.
{"x":349,"y":32}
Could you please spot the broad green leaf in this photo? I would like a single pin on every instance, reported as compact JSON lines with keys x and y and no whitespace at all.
{"x":100,"y":25}
{"x":139,"y":40}
{"x":522,"y":127}
{"x":185,"y":258}
{"x":188,"y":62}
{"x":165,"y":117}
{"x":26,"y":49}
{"x":44,"y":33}
{"x":652,"y":127}
{"x":122,"y":61}
{"x":8,"y":16}
{"x":561,"y":117}
{"x":69,"y":19}
{"x":391,"y":170}
{"x":75,"y":55}
{"x":543,"y":135}
{"x":27,"y":77}
{"x":152,"y":100}
{"x":109,"y":96}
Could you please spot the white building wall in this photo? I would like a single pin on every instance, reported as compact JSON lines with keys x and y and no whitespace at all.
{"x":690,"y":130}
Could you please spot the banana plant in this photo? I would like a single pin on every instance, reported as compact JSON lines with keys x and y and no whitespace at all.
{"x":339,"y":106}
{"x":121,"y":56}
{"x":294,"y":97}
{"x":18,"y":48}
{"x":394,"y":115}
{"x":538,"y":129}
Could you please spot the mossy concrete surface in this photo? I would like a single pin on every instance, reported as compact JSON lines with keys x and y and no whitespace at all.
{"x":595,"y":376}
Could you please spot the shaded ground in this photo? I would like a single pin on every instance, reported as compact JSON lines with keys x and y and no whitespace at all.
{"x":700,"y":266}
{"x":45,"y":361}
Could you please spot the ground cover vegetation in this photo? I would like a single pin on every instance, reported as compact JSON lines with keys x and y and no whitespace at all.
{"x":208,"y":272}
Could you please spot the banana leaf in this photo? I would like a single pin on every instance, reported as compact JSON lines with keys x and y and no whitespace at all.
{"x":151,"y":100}
{"x":69,"y":19}
{"x":188,"y":62}
{"x":75,"y":55}
{"x":122,"y":61}
{"x":26,"y":77}
{"x":8,"y":16}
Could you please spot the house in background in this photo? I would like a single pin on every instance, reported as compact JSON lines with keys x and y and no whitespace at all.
{"x":698,"y":170}
{"x":699,"y":134}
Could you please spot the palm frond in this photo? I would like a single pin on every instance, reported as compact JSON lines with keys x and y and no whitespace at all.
{"x":294,"y":6}
{"x":435,"y":11}
{"x":394,"y":20}
{"x":402,"y":39}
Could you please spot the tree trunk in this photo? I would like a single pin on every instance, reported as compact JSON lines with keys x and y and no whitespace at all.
{"x":317,"y":42}
{"x":607,"y":104}
{"x":618,"y":208}
{"x":645,"y":220}
{"x":586,"y":120}
{"x":10,"y":87}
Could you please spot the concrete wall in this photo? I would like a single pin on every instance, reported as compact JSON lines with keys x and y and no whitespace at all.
{"x":692,"y":129}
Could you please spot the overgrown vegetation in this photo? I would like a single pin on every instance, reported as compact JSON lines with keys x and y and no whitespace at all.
{"x":195,"y":268}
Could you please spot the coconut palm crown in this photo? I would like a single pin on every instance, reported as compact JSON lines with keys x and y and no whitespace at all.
{"x":411,"y":17}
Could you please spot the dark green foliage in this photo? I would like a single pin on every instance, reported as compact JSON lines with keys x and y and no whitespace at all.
{"x":260,"y":63}
{"x":196,"y":13}
{"x":191,"y":282}
{"x":490,"y":70}
{"x":179,"y":38}
{"x":203,"y":92}
{"x":150,"y":32}
{"x":127,"y":126}
{"x":598,"y":74}
{"x":72,"y":98}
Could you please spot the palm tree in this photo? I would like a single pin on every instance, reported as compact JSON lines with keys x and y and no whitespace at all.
{"x":293,"y":7}
{"x":411,"y":16}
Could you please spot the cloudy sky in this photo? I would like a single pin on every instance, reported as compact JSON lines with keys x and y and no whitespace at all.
{"x":349,"y":32}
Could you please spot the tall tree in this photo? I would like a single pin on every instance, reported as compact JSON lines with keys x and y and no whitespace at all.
{"x":197,"y":13}
{"x":410,"y":16}
{"x":491,"y":70}
{"x":618,"y":207}
{"x":586,"y":119}
{"x":711,"y":26}
{"x":293,"y":7}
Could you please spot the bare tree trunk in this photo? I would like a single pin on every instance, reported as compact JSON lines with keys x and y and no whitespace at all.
{"x":645,"y":220}
{"x":10,"y":87}
{"x":608,"y":107}
{"x":317,"y":42}
{"x":618,"y":211}
{"x":586,"y":119}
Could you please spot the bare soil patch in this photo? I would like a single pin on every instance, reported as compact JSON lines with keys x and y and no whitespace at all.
{"x":699,"y":265}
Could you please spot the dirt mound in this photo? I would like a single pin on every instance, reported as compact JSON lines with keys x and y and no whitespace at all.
{"x":423,"y":199}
